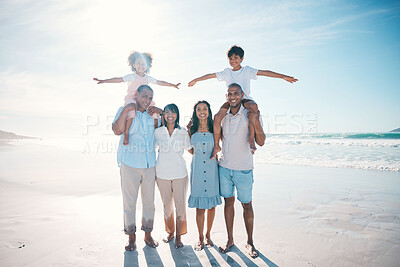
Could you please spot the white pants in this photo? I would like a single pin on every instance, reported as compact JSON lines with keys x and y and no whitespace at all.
{"x":174,"y":191}
{"x":131,"y":180}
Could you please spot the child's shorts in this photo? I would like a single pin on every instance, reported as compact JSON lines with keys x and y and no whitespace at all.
{"x":226,"y":104}
{"x":242,"y":180}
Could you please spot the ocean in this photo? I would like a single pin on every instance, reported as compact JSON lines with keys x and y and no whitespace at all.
{"x":370,"y":151}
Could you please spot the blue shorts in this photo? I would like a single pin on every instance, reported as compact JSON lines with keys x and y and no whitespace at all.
{"x":242,"y":180}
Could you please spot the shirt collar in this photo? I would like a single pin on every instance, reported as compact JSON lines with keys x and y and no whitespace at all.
{"x":238,"y":113}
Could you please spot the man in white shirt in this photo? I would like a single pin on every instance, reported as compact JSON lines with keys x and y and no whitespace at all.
{"x":236,"y":164}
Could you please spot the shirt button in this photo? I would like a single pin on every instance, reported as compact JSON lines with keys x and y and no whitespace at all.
{"x":204,"y":152}
{"x":205,"y":190}
{"x":204,"y":143}
{"x":204,"y":162}
{"x":205,"y":180}
{"x":204,"y":171}
{"x":204,"y":134}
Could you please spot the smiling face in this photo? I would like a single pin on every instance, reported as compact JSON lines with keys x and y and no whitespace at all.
{"x":234,"y":96}
{"x":234,"y":61}
{"x":170,"y":117}
{"x":144,"y":99}
{"x":140,"y":66}
{"x":202,"y":111}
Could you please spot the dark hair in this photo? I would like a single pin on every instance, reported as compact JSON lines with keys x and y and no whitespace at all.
{"x":143,"y":87}
{"x":196,"y":122}
{"x":235,"y":85}
{"x":237,"y":50}
{"x":134,"y":55}
{"x":174,"y":109}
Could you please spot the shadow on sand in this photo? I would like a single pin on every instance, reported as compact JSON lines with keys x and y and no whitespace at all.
{"x":152,"y":256}
{"x":184,"y":256}
{"x":131,"y":258}
{"x":241,"y":255}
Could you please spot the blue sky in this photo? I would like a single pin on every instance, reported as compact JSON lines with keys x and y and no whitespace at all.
{"x":346,"y":55}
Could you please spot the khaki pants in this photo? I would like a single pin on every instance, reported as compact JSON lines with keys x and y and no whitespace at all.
{"x":131,"y":180}
{"x":174,"y":191}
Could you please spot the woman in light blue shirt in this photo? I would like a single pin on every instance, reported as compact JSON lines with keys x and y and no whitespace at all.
{"x":204,"y":181}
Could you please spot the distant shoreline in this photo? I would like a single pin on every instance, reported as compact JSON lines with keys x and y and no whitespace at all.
{"x":10,"y":135}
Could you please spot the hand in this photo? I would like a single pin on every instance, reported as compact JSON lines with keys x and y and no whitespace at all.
{"x":98,"y":81}
{"x":192,"y":83}
{"x":176,"y":85}
{"x":290,"y":79}
{"x":130,"y":107}
{"x":151,"y":110}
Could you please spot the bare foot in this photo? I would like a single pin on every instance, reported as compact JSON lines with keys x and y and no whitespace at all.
{"x":227,"y":246}
{"x":126,"y":139}
{"x":178,"y":242}
{"x":148,"y":239}
{"x":251,"y":250}
{"x":209,"y":242}
{"x":216,"y":149}
{"x":198,"y":246}
{"x":131,"y":243}
{"x":168,"y":238}
{"x":253,"y":147}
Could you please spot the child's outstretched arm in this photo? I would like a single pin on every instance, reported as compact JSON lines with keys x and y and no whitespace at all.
{"x":162,"y":83}
{"x":111,"y":80}
{"x":202,"y":78}
{"x":272,"y":74}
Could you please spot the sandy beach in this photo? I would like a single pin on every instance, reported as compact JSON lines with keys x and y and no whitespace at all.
{"x":63,"y":207}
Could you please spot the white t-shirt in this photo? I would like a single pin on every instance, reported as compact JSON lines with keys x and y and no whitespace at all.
{"x":236,"y":153}
{"x":134,"y":81}
{"x":170,"y":162}
{"x":241,"y":77}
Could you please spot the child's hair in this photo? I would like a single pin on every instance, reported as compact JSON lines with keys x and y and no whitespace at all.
{"x":196,"y":122}
{"x":134,"y":55}
{"x":237,"y":50}
{"x":174,"y":109}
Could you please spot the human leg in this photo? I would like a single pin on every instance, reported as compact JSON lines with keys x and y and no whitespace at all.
{"x":210,"y":221}
{"x":248,"y":216}
{"x":227,"y":188}
{"x":165,"y":187}
{"x":148,"y":210}
{"x":217,"y":128}
{"x":130,"y":182}
{"x":126,"y":132}
{"x":200,"y":228}
{"x":252,"y":107}
{"x":229,"y":213}
{"x":243,"y":181}
{"x":179,"y":188}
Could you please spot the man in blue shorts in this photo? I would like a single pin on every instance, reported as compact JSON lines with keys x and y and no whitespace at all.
{"x":236,"y":164}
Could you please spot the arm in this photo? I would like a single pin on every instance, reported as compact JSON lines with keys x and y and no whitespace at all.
{"x":272,"y":74}
{"x":162,"y":83}
{"x":111,"y":80}
{"x":118,"y":126}
{"x":259,"y":131}
{"x":202,"y":78}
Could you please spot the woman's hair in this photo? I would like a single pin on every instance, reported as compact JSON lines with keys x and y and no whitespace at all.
{"x":134,"y":55}
{"x":196,"y":122}
{"x":173,"y":108}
